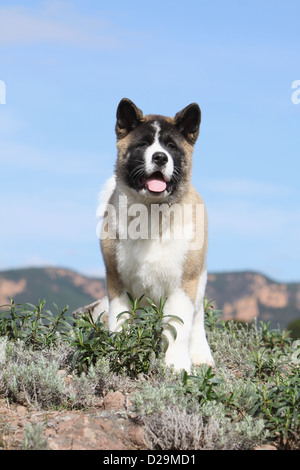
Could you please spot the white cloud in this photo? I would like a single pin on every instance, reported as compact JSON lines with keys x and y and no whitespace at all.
{"x":260,"y":220}
{"x":36,"y":262}
{"x":24,"y":156}
{"x":246,"y":208}
{"x":68,"y":215}
{"x":242,"y":187}
{"x":9,"y":123}
{"x":94,"y":271}
{"x":55,"y":22}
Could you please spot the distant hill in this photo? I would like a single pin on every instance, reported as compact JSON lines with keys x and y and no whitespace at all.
{"x":248,"y":295}
{"x":58,"y":285}
{"x":240,"y":295}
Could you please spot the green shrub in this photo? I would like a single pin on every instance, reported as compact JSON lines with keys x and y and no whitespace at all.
{"x":32,"y":381}
{"x":34,"y":325}
{"x":251,"y":397}
{"x":294,"y":327}
{"x":33,"y":438}
{"x":134,"y":348}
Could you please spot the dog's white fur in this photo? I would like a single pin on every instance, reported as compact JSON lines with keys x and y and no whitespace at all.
{"x":156,"y":147}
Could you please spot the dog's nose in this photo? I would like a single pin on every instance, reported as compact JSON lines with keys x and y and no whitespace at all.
{"x":159,"y":158}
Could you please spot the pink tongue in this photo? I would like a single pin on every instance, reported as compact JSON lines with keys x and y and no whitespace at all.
{"x":156,"y":185}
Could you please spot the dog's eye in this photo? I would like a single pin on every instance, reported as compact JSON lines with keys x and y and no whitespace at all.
{"x":171,"y":144}
{"x":143,"y":144}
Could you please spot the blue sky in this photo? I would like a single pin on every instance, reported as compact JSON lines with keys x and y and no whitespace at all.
{"x":67,"y":64}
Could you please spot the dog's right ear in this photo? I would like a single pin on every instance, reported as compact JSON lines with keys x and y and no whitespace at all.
{"x":188,"y":122}
{"x":129,"y":116}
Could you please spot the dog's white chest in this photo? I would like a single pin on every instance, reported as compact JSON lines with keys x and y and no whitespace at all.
{"x":151,"y":267}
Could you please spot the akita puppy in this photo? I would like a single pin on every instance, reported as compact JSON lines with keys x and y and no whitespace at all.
{"x":154,"y":232}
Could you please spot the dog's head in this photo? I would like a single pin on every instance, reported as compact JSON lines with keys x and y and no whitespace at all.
{"x":155,"y":152}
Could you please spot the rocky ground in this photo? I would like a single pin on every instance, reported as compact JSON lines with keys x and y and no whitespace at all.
{"x":107,"y":426}
{"x":110,"y":425}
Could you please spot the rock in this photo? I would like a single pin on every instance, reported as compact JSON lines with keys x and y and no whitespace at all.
{"x":114,"y":401}
{"x":136,"y":436}
{"x":90,"y":429}
{"x":266,"y":447}
{"x":82,"y":432}
{"x":97,"y":307}
{"x":21,"y":410}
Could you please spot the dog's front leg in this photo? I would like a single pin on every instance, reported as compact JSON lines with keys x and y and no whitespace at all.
{"x":118,"y":300}
{"x":117,"y":305}
{"x":199,"y":348}
{"x":178,"y":352}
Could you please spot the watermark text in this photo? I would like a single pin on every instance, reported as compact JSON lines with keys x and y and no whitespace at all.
{"x":153,"y":222}
{"x":296,"y":94}
{"x":2,"y":92}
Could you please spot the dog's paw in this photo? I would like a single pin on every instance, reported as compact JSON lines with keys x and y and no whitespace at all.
{"x":202,"y":358}
{"x":178,"y":361}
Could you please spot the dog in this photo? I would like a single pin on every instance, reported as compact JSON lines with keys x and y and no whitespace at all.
{"x":152,"y":183}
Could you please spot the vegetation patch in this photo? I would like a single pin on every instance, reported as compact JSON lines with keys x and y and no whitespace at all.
{"x":251,"y":398}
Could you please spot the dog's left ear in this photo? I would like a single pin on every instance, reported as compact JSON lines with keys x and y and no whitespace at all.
{"x":188,"y":121}
{"x":129,"y":116}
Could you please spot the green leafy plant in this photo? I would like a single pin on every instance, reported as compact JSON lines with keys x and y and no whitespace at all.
{"x":294,"y":328}
{"x":134,"y":347}
{"x":92,"y":340}
{"x":278,"y":404}
{"x":212,"y":316}
{"x":273,"y":338}
{"x":37,"y":326}
{"x":251,"y":397}
{"x":203,"y":385}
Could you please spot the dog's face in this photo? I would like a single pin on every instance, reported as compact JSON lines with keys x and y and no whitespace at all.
{"x":155,"y":152}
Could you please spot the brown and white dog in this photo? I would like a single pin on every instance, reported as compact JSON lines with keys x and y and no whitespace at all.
{"x":154,"y":230}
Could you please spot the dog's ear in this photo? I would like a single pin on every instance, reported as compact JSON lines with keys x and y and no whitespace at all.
{"x":129,"y":116}
{"x":188,"y":121}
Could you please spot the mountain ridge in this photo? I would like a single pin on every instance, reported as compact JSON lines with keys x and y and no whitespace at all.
{"x":241,"y":295}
